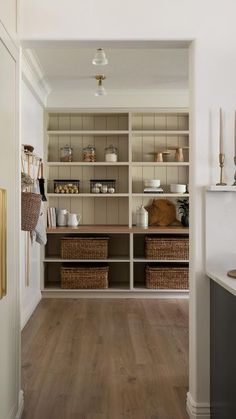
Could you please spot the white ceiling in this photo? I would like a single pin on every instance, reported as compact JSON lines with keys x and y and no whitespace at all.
{"x":69,"y":67}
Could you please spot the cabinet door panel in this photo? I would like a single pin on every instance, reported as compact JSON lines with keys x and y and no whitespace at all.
{"x":9,"y":306}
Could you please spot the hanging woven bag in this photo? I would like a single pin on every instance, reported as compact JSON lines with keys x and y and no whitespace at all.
{"x":30,"y":210}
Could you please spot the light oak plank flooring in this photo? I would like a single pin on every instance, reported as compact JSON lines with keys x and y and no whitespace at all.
{"x":106,"y":359}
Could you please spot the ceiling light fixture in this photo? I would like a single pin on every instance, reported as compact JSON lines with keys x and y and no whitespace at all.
{"x":101,"y":91}
{"x":100,"y":57}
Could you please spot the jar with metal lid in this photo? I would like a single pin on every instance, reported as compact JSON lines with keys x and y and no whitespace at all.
{"x":111,"y":153}
{"x":89,"y":153}
{"x":66,"y":154}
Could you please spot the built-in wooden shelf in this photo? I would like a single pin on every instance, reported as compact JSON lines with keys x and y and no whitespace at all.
{"x":141,"y":260}
{"x":118,"y":195}
{"x":116,"y":259}
{"x":88,"y":132}
{"x":164,"y":291}
{"x":159,"y":132}
{"x":88,"y":164}
{"x":154,"y":163}
{"x":88,"y":195}
{"x":114,"y":287}
{"x":162,"y":195}
{"x":137,"y":135}
{"x":96,"y":229}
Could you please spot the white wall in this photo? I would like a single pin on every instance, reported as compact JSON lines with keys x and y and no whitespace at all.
{"x":129,"y":99}
{"x":9,"y":16}
{"x":213,"y":66}
{"x":31,"y":133}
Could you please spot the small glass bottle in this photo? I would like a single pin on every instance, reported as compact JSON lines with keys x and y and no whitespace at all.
{"x":89,"y":153}
{"x":66,"y":154}
{"x":111,"y":153}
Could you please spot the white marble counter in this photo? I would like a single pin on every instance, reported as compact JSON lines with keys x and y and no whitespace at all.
{"x":217,"y":269}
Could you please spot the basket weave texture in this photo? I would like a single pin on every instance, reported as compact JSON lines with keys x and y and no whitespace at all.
{"x":166,"y":248}
{"x":84,"y":247}
{"x":84,"y":277}
{"x":30,"y":210}
{"x":166,"y":277}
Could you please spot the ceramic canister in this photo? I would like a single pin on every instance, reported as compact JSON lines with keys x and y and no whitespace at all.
{"x":141,"y":217}
{"x":62,"y":217}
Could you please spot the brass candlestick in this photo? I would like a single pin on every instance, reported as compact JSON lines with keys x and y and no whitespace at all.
{"x":234,"y":184}
{"x":221,"y":161}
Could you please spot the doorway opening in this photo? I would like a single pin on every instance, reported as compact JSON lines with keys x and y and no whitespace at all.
{"x":120,"y":347}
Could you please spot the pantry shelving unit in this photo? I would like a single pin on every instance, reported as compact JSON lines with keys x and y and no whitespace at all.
{"x":137,"y":135}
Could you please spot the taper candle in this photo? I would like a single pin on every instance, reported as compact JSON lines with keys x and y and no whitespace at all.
{"x":221,"y":132}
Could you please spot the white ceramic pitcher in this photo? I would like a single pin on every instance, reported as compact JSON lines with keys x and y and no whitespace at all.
{"x":73,"y":220}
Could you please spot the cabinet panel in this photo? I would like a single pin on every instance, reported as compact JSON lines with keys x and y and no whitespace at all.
{"x":223,"y":347}
{"x":9,"y":178}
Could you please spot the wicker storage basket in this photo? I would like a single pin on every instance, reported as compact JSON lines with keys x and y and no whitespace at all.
{"x":166,"y":248}
{"x":159,"y":277}
{"x":84,"y":247}
{"x":84,"y":277}
{"x":30,"y":210}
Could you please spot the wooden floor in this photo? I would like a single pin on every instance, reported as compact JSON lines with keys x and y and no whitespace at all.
{"x":106,"y":359}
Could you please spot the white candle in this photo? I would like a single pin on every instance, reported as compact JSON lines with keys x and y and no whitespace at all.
{"x":221,"y":132}
{"x":235,"y":134}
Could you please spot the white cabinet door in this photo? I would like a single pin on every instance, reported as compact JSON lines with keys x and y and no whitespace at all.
{"x":9,"y":305}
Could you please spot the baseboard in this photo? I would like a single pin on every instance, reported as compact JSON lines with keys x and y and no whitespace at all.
{"x":197,"y":410}
{"x":21,"y":405}
{"x":28,"y":311}
{"x":17,"y":410}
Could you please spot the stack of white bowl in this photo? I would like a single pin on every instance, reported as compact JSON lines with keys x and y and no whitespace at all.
{"x":177,"y":188}
{"x":152,"y":186}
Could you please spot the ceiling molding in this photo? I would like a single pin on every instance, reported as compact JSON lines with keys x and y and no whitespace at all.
{"x":34,"y":77}
{"x":181,"y":43}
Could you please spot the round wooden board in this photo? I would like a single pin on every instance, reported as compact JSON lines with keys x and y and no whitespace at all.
{"x":232,"y":273}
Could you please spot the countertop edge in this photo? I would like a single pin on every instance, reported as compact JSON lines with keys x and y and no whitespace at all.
{"x":219,"y":275}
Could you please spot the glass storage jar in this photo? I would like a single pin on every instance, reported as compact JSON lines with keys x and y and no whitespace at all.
{"x":66,"y":154}
{"x":66,"y":186}
{"x":105,"y":186}
{"x":89,"y":153}
{"x":111,"y":153}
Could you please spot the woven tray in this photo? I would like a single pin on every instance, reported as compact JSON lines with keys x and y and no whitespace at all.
{"x":84,"y":247}
{"x":166,"y":277}
{"x":84,"y":277}
{"x":166,"y":248}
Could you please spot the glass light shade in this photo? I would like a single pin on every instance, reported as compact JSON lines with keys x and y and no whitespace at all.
{"x":101,"y":91}
{"x":100,"y":57}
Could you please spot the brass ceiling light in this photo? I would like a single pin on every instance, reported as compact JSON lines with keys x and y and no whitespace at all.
{"x":101,"y":91}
